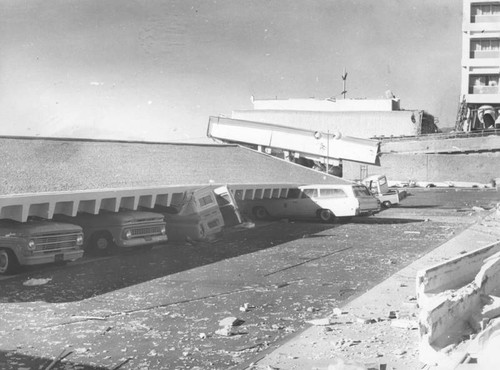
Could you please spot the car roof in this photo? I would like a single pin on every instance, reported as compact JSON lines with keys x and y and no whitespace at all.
{"x":326,"y":186}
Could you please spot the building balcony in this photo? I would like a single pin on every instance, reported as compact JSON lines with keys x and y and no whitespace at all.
{"x":483,"y":90}
{"x":485,"y":18}
{"x":483,"y":99}
{"x":485,"y":54}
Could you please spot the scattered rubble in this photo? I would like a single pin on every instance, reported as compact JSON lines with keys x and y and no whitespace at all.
{"x":36,"y":282}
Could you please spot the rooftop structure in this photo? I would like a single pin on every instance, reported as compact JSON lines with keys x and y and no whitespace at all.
{"x":328,"y":105}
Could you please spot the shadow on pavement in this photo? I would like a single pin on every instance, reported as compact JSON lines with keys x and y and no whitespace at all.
{"x":90,"y":277}
{"x":421,"y":206}
{"x":14,"y":360}
{"x":385,"y":221}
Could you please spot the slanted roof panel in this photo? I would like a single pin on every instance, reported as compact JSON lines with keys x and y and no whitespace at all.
{"x":47,"y":165}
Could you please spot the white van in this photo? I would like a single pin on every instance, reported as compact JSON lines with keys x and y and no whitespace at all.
{"x":325,"y":202}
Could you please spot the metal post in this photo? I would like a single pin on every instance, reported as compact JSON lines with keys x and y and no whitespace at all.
{"x":327,"y":150}
{"x":344,"y":83}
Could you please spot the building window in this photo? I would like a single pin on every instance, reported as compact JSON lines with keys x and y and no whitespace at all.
{"x":485,"y":48}
{"x":486,"y":12}
{"x":483,"y":84}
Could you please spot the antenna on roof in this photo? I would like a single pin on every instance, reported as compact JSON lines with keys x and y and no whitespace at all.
{"x":344,"y":83}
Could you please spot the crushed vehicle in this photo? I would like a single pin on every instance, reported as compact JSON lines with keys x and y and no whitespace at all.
{"x":37,"y":241}
{"x":193,"y":215}
{"x":379,"y":187}
{"x":325,"y":202}
{"x":107,"y":232}
{"x":228,"y":206}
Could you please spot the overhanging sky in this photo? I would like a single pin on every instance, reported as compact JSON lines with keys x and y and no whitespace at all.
{"x":156,"y":70}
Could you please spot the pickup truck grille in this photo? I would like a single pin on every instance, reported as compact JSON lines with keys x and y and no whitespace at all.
{"x":55,"y":242}
{"x":142,"y":231}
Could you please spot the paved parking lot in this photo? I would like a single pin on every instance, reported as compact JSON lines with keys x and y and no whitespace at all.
{"x":162,"y":308}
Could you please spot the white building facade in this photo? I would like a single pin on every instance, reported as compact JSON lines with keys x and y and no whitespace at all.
{"x":481,"y":62}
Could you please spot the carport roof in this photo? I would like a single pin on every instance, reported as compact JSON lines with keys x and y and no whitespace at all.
{"x":32,"y":165}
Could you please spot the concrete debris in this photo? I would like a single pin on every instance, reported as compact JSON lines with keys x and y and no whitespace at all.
{"x":340,"y":364}
{"x":478,"y":209}
{"x":281,"y":285}
{"x":245,"y":225}
{"x":337,"y":311}
{"x":320,"y":322}
{"x":346,"y":343}
{"x":226,"y":331}
{"x":36,"y":282}
{"x":399,"y":352}
{"x":227,"y":326}
{"x":404,"y":324}
{"x":362,"y":320}
{"x":246,"y":307}
{"x":231,"y":321}
{"x":459,"y":299}
{"x":312,"y":309}
{"x":202,"y":336}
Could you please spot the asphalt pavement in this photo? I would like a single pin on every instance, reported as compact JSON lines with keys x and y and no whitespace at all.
{"x":163,"y":309}
{"x":379,"y":329}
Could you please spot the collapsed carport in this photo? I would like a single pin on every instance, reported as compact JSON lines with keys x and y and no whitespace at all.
{"x":43,"y":176}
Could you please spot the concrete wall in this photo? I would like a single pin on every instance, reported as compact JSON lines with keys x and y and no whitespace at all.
{"x":478,"y":167}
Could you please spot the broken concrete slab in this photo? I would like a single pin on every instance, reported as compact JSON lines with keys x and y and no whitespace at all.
{"x":452,"y":274}
{"x":231,"y":321}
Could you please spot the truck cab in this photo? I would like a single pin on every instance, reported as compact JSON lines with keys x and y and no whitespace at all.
{"x":37,"y":241}
{"x":379,"y":187}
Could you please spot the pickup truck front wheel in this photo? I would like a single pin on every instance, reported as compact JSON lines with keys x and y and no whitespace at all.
{"x":386,"y":204}
{"x":8,"y":262}
{"x":101,"y":244}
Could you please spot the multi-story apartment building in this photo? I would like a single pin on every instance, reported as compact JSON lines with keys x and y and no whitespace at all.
{"x":481,"y":64}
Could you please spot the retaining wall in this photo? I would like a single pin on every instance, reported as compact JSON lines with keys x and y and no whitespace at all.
{"x":477,"y":167}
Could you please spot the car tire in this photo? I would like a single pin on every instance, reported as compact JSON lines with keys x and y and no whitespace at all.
{"x":8,"y":262}
{"x":386,"y":204}
{"x":326,"y":215}
{"x":101,"y":244}
{"x":260,"y":213}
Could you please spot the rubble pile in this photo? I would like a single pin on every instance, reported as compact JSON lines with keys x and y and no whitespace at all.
{"x":460,"y":310}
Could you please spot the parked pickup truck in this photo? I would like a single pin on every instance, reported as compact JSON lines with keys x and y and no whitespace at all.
{"x":379,"y":188}
{"x":37,"y":241}
{"x":108,"y":231}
